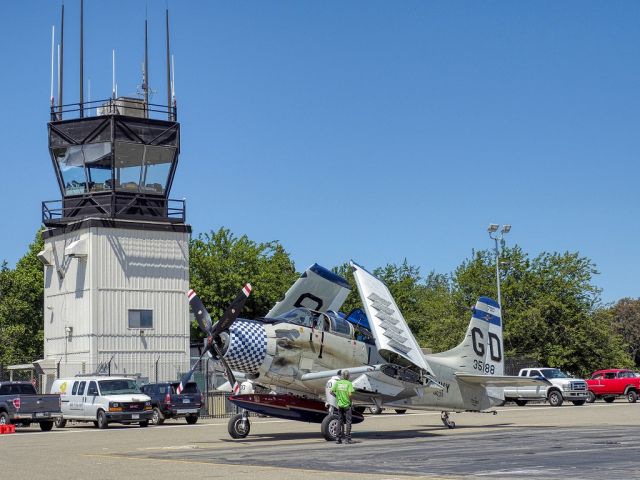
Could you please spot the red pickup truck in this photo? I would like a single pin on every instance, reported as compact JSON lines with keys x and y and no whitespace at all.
{"x":609,"y":384}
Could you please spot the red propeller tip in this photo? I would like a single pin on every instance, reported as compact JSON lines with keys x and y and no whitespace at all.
{"x":191,"y":294}
{"x":247,"y":289}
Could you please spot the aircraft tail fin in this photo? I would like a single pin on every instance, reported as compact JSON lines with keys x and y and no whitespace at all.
{"x":481,"y":351}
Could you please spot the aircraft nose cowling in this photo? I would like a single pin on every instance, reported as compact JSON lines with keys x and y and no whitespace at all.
{"x":247,"y":346}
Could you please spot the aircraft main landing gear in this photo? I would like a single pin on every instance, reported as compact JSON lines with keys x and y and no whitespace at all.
{"x":329,"y":427}
{"x":444,"y":416}
{"x":239,"y":425}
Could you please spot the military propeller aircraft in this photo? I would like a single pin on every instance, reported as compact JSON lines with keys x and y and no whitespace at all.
{"x":303,"y":342}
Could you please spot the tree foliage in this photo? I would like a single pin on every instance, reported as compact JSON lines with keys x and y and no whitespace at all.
{"x":552,"y":310}
{"x":21,"y":315}
{"x":625,"y":317}
{"x":221,"y":263}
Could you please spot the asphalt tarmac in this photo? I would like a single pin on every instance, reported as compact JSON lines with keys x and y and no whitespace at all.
{"x":534,"y":442}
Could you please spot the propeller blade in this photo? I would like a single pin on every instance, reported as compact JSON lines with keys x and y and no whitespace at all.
{"x":230,"y":376}
{"x":187,"y":376}
{"x":232,"y":311}
{"x":200,"y":312}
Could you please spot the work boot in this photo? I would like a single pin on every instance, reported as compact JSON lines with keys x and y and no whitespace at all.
{"x":348,"y":440}
{"x":339,"y":440}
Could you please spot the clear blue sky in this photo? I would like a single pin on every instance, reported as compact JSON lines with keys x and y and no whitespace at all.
{"x":371,"y":130}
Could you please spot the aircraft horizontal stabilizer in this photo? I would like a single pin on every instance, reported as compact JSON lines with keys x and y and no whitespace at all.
{"x":501,"y":381}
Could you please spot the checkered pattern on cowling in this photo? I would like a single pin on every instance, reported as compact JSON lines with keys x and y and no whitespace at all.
{"x":247,"y":347}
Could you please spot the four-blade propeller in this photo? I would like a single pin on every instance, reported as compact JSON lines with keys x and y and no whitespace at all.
{"x":214,"y":342}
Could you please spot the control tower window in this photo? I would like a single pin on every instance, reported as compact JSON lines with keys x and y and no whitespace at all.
{"x":72,"y":161}
{"x":128,"y":166}
{"x":156,"y":167}
{"x":97,"y":158}
{"x":142,"y":168}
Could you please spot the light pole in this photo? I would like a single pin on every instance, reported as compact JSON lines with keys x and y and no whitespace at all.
{"x":493,"y":227}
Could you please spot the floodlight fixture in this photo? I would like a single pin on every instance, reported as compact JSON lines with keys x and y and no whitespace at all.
{"x":505,"y":229}
{"x":493,"y":227}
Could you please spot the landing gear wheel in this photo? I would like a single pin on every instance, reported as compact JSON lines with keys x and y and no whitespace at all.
{"x":520,"y":403}
{"x":555,"y":398}
{"x":444,"y":416}
{"x":591,"y":397}
{"x":191,"y":419}
{"x":46,"y":426}
{"x":329,"y":427}
{"x":157,"y":418}
{"x":375,"y":410}
{"x":60,"y":422}
{"x":102,"y":420}
{"x":632,"y":396}
{"x":401,"y":411}
{"x":239,"y":426}
{"x":609,"y":399}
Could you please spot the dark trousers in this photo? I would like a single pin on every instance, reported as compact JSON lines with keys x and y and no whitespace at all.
{"x":344,"y":419}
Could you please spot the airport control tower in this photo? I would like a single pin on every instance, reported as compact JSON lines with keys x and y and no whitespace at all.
{"x":116,"y":253}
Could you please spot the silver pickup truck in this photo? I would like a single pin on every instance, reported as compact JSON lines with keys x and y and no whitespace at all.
{"x":562,"y":387}
{"x":21,"y":405}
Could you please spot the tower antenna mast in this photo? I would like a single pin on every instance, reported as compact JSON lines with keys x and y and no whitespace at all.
{"x":61,"y":65}
{"x":81,"y":58}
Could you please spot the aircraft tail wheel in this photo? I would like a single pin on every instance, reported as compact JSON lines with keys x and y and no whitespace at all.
{"x":239,"y":426}
{"x":329,"y":427}
{"x":444,"y":416}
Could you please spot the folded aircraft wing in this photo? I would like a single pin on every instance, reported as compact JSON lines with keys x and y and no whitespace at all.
{"x":317,"y":289}
{"x":501,"y":381}
{"x":394,"y":339}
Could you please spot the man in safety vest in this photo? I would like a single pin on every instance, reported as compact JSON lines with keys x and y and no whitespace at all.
{"x":343,"y":390}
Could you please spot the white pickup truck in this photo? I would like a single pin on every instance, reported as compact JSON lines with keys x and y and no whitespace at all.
{"x":561,"y":387}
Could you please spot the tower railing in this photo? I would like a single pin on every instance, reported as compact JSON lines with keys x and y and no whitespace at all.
{"x":136,"y":207}
{"x":132,"y":106}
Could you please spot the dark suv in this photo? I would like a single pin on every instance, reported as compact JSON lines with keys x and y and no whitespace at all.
{"x":168,"y":404}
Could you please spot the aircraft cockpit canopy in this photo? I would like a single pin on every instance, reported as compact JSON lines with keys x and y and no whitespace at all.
{"x":301,"y":316}
{"x":329,"y":322}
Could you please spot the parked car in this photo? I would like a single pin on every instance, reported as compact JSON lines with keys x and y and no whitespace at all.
{"x":169,"y":404}
{"x":614,"y":382}
{"x":563,"y":387}
{"x":102,"y":400}
{"x":21,"y":405}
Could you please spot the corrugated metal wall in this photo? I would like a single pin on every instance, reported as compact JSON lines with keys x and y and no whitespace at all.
{"x":125,"y":269}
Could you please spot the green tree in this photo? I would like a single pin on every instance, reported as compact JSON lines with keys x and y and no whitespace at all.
{"x":21,"y":308}
{"x":626,"y":322}
{"x":221,"y":263}
{"x":551,"y":308}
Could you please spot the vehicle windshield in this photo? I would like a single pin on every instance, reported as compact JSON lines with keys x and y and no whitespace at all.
{"x":117,"y":387}
{"x":553,"y":373}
